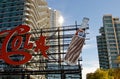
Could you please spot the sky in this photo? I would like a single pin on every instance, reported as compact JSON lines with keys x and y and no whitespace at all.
{"x":75,"y":10}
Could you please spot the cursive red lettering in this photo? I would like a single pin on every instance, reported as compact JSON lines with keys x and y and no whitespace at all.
{"x":41,"y":46}
{"x":5,"y":55}
{"x":26,"y":45}
{"x":16,"y":44}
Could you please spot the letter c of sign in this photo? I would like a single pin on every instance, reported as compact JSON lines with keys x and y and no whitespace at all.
{"x":5,"y":55}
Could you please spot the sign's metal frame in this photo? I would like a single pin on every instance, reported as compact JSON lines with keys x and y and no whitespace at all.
{"x":60,"y":37}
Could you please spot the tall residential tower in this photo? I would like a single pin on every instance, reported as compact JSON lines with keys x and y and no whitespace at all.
{"x":109,"y":42}
{"x":34,"y":13}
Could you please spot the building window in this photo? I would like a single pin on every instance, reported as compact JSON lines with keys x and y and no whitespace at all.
{"x":107,"y":17}
{"x":11,"y":9}
{"x":1,"y":20}
{"x":109,"y":29}
{"x":12,"y":4}
{"x":108,"y":25}
{"x":108,"y":21}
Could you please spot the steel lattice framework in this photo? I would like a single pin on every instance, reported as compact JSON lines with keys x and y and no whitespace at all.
{"x":58,"y":38}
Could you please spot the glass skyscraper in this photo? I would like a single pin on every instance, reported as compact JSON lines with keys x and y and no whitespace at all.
{"x":11,"y":13}
{"x":109,"y":42}
{"x":34,"y":13}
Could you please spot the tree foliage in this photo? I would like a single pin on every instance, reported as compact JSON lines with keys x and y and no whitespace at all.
{"x":104,"y":74}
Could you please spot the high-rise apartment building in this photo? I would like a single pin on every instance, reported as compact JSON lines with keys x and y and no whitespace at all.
{"x":56,"y":21}
{"x":34,"y":13}
{"x":109,"y":42}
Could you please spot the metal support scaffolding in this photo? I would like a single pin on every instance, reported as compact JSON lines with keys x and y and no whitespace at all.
{"x":58,"y":38}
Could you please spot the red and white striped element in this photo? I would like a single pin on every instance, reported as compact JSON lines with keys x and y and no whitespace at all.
{"x":74,"y":49}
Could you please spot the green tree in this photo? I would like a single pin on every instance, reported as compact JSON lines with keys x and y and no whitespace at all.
{"x":90,"y":76}
{"x":98,"y":74}
{"x":117,"y":70}
{"x":101,"y":74}
{"x":116,"y":73}
{"x":105,"y":74}
{"x":110,"y":73}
